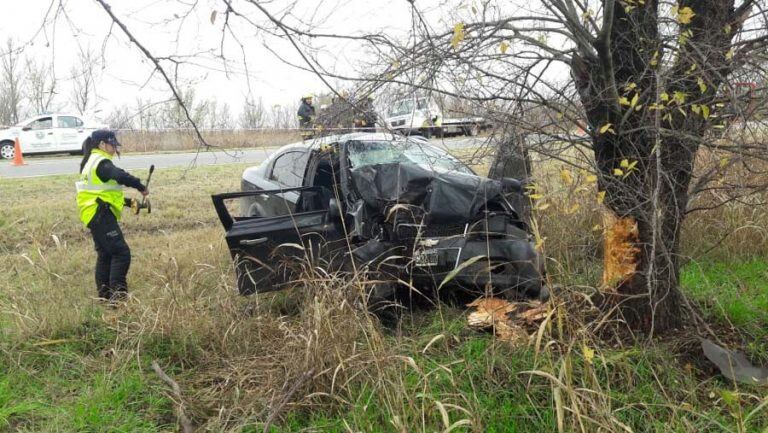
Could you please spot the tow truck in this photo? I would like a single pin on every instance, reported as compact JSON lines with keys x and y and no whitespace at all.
{"x":423,"y":116}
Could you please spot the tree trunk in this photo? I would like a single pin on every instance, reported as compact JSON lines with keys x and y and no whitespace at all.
{"x":654,"y":193}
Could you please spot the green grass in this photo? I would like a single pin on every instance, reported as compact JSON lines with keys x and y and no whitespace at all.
{"x":73,"y":385}
{"x":67,"y":364}
{"x":735,"y":291}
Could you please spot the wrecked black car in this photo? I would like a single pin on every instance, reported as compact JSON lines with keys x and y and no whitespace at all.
{"x":394,"y":206}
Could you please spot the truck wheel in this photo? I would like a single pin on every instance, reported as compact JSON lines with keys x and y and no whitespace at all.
{"x":472,"y":130}
{"x":7,"y":150}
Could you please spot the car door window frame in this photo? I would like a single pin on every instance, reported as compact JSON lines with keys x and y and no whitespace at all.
{"x":301,"y":154}
{"x":32,"y":125}
{"x":227,"y":219}
{"x":78,"y":122}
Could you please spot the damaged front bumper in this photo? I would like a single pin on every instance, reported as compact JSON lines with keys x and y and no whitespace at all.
{"x":493,"y":253}
{"x":505,"y":264}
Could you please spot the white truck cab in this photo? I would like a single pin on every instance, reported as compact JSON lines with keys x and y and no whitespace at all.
{"x":423,"y":116}
{"x":415,"y":115}
{"x":46,"y":133}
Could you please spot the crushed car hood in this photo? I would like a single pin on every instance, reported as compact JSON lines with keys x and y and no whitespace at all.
{"x":444,"y":196}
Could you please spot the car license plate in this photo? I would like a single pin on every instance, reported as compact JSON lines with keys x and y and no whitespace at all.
{"x":425,"y":258}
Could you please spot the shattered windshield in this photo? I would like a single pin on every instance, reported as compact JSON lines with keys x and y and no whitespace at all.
{"x":402,"y":107}
{"x":387,"y":152}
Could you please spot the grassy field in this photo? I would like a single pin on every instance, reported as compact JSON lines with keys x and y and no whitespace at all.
{"x":312,"y":359}
{"x":177,"y":140}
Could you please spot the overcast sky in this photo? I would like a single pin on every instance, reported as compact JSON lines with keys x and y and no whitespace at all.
{"x":160,"y":24}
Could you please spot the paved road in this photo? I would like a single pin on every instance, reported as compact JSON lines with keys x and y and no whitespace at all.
{"x":56,"y":165}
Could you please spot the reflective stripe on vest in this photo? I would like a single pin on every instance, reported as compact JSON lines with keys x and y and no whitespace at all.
{"x":84,"y":186}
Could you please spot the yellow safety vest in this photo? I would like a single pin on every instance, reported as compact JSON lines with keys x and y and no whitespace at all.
{"x":90,"y":187}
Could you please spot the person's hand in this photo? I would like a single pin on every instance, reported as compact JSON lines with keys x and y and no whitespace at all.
{"x":145,"y":192}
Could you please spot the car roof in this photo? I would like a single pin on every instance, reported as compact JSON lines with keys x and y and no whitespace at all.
{"x":37,"y":116}
{"x":318,"y":142}
{"x":55,"y":114}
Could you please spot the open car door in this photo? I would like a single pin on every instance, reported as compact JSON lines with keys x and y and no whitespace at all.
{"x":269,"y":250}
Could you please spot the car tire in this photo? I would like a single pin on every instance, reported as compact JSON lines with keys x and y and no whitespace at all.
{"x":7,"y":150}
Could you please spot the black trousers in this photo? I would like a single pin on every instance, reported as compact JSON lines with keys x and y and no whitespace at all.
{"x":113,"y":257}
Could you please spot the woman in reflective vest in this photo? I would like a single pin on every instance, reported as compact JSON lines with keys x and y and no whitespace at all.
{"x":100,"y":201}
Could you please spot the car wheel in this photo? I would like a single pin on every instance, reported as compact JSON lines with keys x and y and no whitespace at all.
{"x":7,"y":150}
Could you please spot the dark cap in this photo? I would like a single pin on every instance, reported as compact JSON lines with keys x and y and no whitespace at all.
{"x":104,"y":135}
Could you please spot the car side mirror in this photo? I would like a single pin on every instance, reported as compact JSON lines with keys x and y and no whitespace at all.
{"x":334,"y":210}
{"x":26,"y":128}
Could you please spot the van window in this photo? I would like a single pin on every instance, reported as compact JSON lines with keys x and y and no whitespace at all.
{"x":288,"y":168}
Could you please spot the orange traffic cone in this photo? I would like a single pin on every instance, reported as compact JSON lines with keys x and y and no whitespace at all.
{"x":18,"y":159}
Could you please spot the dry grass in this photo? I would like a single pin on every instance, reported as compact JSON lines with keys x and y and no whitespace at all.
{"x":312,"y":358}
{"x":154,"y":141}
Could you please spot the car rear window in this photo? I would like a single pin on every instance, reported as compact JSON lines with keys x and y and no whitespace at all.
{"x":288,"y":168}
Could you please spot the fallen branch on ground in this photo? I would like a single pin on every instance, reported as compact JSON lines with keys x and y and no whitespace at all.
{"x":184,"y":421}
